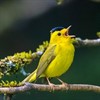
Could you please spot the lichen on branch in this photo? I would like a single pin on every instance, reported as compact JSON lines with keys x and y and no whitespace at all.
{"x":12,"y":64}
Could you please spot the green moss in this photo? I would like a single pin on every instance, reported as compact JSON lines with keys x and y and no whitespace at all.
{"x":13,"y":64}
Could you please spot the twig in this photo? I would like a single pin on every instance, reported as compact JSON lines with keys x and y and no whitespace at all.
{"x":40,"y":87}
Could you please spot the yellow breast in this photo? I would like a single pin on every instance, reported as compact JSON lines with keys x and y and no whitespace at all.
{"x":61,"y":63}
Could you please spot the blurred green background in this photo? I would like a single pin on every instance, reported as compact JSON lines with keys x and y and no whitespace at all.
{"x":24,"y":24}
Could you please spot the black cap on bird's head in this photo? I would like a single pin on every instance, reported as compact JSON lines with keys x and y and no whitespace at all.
{"x":59,"y":28}
{"x":56,"y":29}
{"x":64,"y":30}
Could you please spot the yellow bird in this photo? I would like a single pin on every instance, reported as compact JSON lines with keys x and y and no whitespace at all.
{"x":57,"y":58}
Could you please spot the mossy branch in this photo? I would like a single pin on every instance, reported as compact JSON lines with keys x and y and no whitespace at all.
{"x":42,"y":87}
{"x":24,"y":57}
{"x":12,"y":64}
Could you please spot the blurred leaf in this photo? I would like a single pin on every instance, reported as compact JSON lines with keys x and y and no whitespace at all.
{"x":59,"y":2}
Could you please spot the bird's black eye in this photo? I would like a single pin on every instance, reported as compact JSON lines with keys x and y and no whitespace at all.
{"x":59,"y":34}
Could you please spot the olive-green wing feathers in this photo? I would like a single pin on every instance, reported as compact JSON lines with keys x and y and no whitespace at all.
{"x":45,"y":60}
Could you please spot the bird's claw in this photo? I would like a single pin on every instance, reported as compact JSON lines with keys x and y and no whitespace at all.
{"x":52,"y":86}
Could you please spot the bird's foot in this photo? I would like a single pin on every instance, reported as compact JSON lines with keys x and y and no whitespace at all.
{"x":63,"y":83}
{"x":51,"y":85}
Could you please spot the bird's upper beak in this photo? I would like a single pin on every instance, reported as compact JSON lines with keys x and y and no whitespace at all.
{"x":67,"y":32}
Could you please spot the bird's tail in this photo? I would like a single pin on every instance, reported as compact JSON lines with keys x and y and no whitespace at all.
{"x":30,"y":78}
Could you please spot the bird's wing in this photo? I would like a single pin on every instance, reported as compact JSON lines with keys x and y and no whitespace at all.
{"x":45,"y":60}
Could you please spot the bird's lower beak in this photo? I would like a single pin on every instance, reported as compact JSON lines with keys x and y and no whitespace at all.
{"x":72,"y":36}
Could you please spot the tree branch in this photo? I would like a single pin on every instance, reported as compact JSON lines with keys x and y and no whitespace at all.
{"x":87,"y":42}
{"x":40,"y":87}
